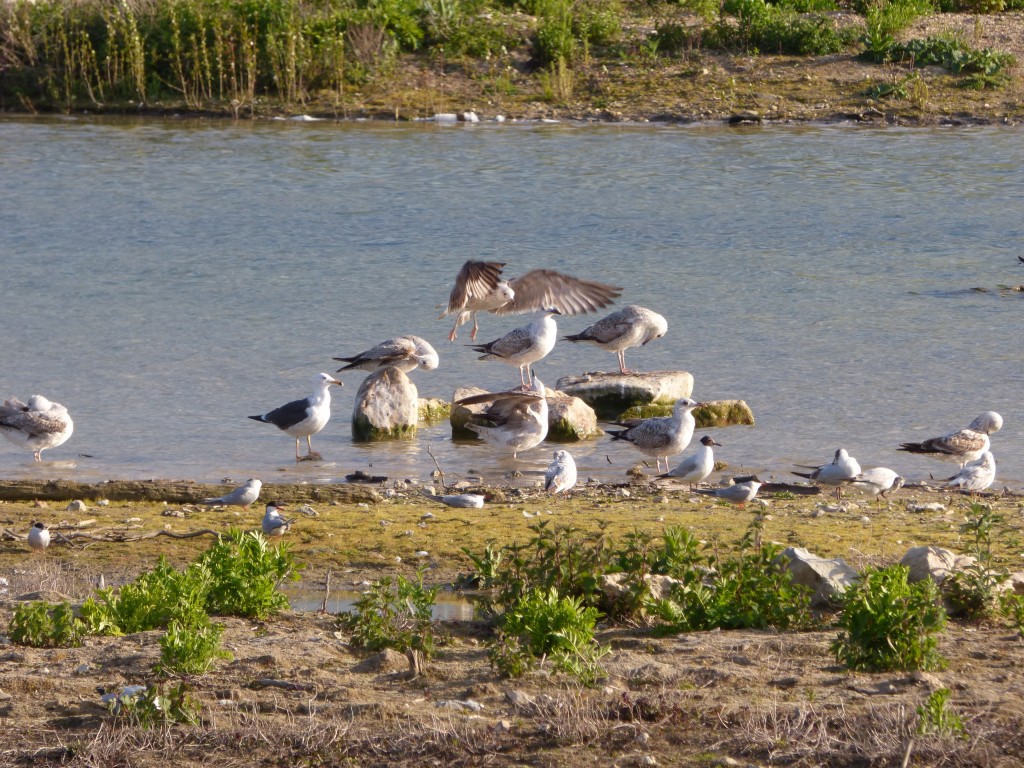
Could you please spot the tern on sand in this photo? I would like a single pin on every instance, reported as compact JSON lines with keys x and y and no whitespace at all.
{"x":273,"y":524}
{"x":242,"y":496}
{"x":38,"y":537}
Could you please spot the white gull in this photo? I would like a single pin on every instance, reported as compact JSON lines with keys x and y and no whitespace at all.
{"x":738,"y":493}
{"x":37,"y":425}
{"x":976,"y":475}
{"x":631,"y":326}
{"x":561,"y":473}
{"x":661,"y":436}
{"x":403,"y":352}
{"x":696,"y":468}
{"x":515,"y":421}
{"x":479,"y":288}
{"x":521,"y":347}
{"x":878,"y":481}
{"x":305,"y":417}
{"x":842,"y":469}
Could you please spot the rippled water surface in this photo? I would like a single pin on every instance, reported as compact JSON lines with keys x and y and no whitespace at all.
{"x":165,"y":279}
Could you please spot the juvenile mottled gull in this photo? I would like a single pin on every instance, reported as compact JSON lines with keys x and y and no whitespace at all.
{"x":838,"y":473}
{"x":976,"y":475}
{"x":273,"y":524}
{"x":561,"y":473}
{"x":305,"y":417}
{"x":631,"y":326}
{"x":878,"y":481}
{"x":661,"y":436}
{"x":404,"y":352}
{"x":738,"y":493}
{"x":242,"y":496}
{"x":515,"y":421}
{"x":37,"y":425}
{"x":696,"y":468}
{"x":523,"y":346}
{"x":38,"y":537}
{"x":964,"y":445}
{"x":479,"y":288}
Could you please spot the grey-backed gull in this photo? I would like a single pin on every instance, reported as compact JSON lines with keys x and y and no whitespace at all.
{"x":305,"y":417}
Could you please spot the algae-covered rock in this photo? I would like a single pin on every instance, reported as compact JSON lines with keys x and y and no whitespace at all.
{"x":434,"y":409}
{"x":570,"y":419}
{"x":714,"y":413}
{"x":386,"y":407}
{"x":609,"y":394}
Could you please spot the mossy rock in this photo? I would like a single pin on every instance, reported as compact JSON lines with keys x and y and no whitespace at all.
{"x":364,"y":432}
{"x":609,"y":394}
{"x":433,"y":409}
{"x":714,"y":413}
{"x":386,"y":407}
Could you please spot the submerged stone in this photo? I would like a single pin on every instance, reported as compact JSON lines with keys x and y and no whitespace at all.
{"x":714,"y":413}
{"x":609,"y":394}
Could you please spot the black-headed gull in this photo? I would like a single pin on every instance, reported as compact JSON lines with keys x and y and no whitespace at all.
{"x":841,"y":471}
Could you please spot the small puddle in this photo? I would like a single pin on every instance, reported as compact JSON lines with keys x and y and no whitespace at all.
{"x":448,"y":606}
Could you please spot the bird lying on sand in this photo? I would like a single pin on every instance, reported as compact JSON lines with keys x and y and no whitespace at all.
{"x":738,"y":493}
{"x":460,"y":500}
{"x":479,"y":288}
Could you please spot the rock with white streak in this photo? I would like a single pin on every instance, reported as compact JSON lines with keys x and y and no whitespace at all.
{"x":828,"y":578}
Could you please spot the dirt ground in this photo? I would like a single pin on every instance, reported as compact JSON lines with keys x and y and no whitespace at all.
{"x":296,"y":691}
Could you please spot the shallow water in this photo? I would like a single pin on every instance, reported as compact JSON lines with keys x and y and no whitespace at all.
{"x":165,"y":279}
{"x":447,"y":606}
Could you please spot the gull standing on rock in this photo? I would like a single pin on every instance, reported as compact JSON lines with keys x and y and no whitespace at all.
{"x":738,"y":493}
{"x":37,"y":425}
{"x":515,"y":421}
{"x":661,"y":436}
{"x":406,"y":353}
{"x":273,"y":524}
{"x":524,"y":346}
{"x":306,"y":417}
{"x":479,"y":288}
{"x":631,"y":326}
{"x":38,"y":537}
{"x":976,"y":476}
{"x":242,"y":496}
{"x":561,"y":473}
{"x":696,"y":468}
{"x":843,"y":469}
{"x":963,"y":446}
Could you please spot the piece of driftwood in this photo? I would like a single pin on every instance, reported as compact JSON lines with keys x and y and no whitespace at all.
{"x":113,"y":536}
{"x":288,"y":685}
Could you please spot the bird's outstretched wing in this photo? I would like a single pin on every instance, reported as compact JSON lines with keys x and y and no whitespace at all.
{"x":548,"y":289}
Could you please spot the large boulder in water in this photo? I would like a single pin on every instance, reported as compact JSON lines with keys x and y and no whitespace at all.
{"x":387,"y":406}
{"x":609,"y":394}
{"x":714,"y":413}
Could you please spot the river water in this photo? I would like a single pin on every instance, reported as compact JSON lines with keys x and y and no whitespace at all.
{"x":165,"y":279}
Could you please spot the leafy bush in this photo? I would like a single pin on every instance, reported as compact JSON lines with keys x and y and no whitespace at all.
{"x":889,"y":624}
{"x":555,"y":40}
{"x":543,"y":626}
{"x":974,"y":590}
{"x":936,"y":718}
{"x":952,"y":54}
{"x":190,"y":646}
{"x":152,"y":707}
{"x":760,"y":27}
{"x":246,"y":574}
{"x":44,"y":625}
{"x":394,"y":615}
{"x":1011,"y":606}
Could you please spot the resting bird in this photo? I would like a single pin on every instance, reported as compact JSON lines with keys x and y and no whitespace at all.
{"x":273,"y":524}
{"x":479,"y":288}
{"x":404,"y":352}
{"x":976,"y":476}
{"x":696,"y":468}
{"x":561,"y":473}
{"x":738,"y":493}
{"x":661,"y":436}
{"x":38,"y":537}
{"x":878,"y":481}
{"x":523,"y":346}
{"x":964,"y":445}
{"x":460,"y":500}
{"x":305,"y":417}
{"x":631,"y":326}
{"x":515,"y":421}
{"x":242,"y":496}
{"x":37,"y":425}
{"x":841,"y":471}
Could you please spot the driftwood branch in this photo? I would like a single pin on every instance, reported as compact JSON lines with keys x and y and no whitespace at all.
{"x":114,"y":536}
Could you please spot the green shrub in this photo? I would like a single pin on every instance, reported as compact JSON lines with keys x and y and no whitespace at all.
{"x":246,"y":574}
{"x":889,"y":624}
{"x":44,"y":625}
{"x":153,"y":707}
{"x":1011,"y":606}
{"x":543,"y":626}
{"x":554,"y":40}
{"x":759,"y":27}
{"x":394,"y":614}
{"x":190,"y":646}
{"x":936,"y":718}
{"x":974,"y":590}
